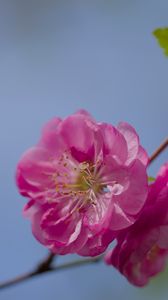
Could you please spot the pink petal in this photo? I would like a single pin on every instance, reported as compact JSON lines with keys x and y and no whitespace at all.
{"x":52,"y":126}
{"x":25,"y":188}
{"x":133,"y":199}
{"x":119,"y":220}
{"x":51,"y":139}
{"x":93,"y":247}
{"x":132,"y":140}
{"x":114,"y":143}
{"x":143,"y":156}
{"x":85,"y":113}
{"x":98,"y":216}
{"x":35,"y":169}
{"x":74,"y":244}
{"x":163,"y":238}
{"x":78,"y":133}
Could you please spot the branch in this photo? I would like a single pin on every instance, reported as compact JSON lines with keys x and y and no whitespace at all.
{"x":158,"y":151}
{"x":42,"y":267}
{"x":47,"y":264}
{"x":38,"y":271}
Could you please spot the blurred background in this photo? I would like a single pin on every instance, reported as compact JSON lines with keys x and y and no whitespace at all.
{"x":57,"y":57}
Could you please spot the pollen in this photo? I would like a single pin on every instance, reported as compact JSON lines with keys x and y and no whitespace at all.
{"x":80,"y":181}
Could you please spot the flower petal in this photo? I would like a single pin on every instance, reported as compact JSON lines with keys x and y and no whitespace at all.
{"x":114,"y":143}
{"x":133,"y":198}
{"x":132,"y":140}
{"x":34,"y":171}
{"x":98,"y":216}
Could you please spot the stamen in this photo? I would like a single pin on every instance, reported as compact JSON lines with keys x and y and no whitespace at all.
{"x":87,"y":182}
{"x":105,"y":183}
{"x":80,"y":182}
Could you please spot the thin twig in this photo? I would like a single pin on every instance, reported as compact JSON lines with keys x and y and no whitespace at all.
{"x":47,"y":264}
{"x":34,"y":273}
{"x":17,"y":280}
{"x":44,"y":266}
{"x":158,"y":151}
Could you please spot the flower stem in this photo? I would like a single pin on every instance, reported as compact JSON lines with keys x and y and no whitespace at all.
{"x":158,"y":151}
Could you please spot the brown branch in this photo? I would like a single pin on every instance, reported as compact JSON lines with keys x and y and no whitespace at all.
{"x":39,"y":271}
{"x":42,"y":267}
{"x":47,"y":264}
{"x":158,"y":151}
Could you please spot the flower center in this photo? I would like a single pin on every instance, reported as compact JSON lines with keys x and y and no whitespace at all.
{"x":87,"y":180}
{"x":79,"y":181}
{"x":87,"y":185}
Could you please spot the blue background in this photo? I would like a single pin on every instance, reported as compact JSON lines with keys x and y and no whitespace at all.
{"x":57,"y":57}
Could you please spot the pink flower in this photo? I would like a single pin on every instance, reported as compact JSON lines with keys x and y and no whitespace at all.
{"x":85,"y":181}
{"x":142,"y":250}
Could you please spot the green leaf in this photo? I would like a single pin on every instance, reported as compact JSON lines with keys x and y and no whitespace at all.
{"x":151,"y":179}
{"x":162,"y":37}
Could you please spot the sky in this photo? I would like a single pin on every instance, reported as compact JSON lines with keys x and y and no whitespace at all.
{"x":57,"y":57}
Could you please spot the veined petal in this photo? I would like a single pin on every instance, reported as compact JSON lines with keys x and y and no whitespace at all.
{"x":132,"y":140}
{"x":133,"y":198}
{"x":114,"y":143}
{"x":143,"y":156}
{"x":120,"y":220}
{"x":35,"y":169}
{"x":98,"y":216}
{"x":78,"y":133}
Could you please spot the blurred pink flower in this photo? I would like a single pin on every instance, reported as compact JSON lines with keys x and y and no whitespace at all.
{"x":142,"y":250}
{"x":85,"y":181}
